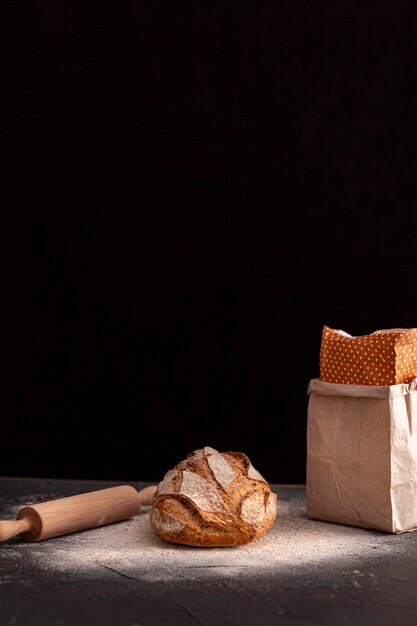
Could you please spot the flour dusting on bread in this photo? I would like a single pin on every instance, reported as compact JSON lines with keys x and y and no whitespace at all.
{"x":213,"y":499}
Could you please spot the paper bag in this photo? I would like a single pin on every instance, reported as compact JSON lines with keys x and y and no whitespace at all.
{"x":362,"y":455}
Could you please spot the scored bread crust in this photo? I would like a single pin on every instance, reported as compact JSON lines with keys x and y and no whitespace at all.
{"x":213,"y":499}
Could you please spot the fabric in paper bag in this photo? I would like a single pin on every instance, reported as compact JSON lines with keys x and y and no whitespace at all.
{"x":362,"y":455}
{"x":385,"y":357}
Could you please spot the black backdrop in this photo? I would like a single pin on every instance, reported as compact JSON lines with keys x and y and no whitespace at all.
{"x":190,"y":191}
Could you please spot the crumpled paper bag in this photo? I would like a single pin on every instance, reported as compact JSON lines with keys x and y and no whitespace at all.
{"x":362,"y":455}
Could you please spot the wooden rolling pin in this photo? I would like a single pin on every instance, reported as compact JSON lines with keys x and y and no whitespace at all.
{"x":69,"y":515}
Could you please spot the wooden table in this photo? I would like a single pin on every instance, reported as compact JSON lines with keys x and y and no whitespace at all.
{"x":302,"y":572}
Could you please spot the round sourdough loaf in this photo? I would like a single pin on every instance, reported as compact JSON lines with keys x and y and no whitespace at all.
{"x":213,"y":499}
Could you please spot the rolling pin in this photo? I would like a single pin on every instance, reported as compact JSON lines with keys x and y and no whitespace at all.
{"x":69,"y":515}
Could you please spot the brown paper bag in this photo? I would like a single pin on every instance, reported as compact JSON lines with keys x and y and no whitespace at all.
{"x":362,"y":455}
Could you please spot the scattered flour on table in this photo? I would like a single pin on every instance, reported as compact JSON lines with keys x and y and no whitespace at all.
{"x":132,"y":547}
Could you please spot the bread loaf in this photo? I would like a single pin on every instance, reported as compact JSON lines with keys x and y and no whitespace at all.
{"x":213,"y":499}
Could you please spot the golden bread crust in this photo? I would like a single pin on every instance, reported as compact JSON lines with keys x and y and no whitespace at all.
{"x":213,"y":499}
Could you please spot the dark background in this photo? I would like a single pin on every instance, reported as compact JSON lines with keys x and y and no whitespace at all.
{"x":190,"y":191}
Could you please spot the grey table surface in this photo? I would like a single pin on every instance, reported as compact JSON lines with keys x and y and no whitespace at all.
{"x":302,"y":572}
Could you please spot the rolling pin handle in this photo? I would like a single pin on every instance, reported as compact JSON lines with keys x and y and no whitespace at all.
{"x":10,"y":528}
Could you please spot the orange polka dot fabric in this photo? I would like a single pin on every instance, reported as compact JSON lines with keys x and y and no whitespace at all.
{"x":385,"y":357}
